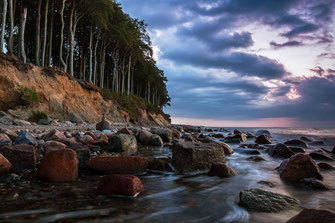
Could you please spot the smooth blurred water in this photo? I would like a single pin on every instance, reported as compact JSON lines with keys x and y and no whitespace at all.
{"x":196,"y":197}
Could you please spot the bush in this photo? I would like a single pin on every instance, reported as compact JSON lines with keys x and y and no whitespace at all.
{"x":28,"y":96}
{"x":38,"y":115}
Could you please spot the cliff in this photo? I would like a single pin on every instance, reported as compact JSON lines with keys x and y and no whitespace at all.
{"x":63,"y":97}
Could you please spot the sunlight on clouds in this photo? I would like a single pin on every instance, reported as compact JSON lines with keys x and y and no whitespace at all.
{"x":293,"y":95}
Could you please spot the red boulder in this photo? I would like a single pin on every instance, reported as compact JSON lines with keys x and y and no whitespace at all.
{"x":5,"y":165}
{"x":115,"y":184}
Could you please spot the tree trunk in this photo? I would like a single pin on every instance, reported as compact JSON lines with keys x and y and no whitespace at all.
{"x":3,"y":25}
{"x":129,"y":69}
{"x":71,"y":40}
{"x":11,"y":28}
{"x":51,"y":34}
{"x":91,"y":55}
{"x":45,"y":32}
{"x":95,"y":62}
{"x":23,"y":26}
{"x":62,"y":37}
{"x":38,"y":33}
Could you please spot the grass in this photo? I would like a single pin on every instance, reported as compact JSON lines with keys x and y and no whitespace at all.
{"x":38,"y":115}
{"x":28,"y":96}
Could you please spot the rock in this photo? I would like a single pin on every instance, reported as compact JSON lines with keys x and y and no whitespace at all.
{"x":281,"y":150}
{"x":143,"y":136}
{"x":21,"y":156}
{"x":263,"y":139}
{"x":107,"y":132}
{"x":263,"y":132}
{"x":297,"y":142}
{"x":314,"y":183}
{"x":193,"y":156}
{"x":256,"y":158}
{"x":161,"y":164}
{"x":6,"y":119}
{"x":11,"y":134}
{"x":115,"y":184}
{"x":297,"y":149}
{"x":320,"y":156}
{"x":176,"y":134}
{"x":265,"y":201}
{"x":59,"y":166}
{"x":313,"y":216}
{"x":267,"y":183}
{"x":119,"y":165}
{"x":122,"y":143}
{"x":50,"y":145}
{"x":317,"y":143}
{"x":298,"y":167}
{"x":5,"y":140}
{"x":155,"y":140}
{"x":305,"y":139}
{"x":53,"y":135}
{"x":325,"y":166}
{"x":227,"y":149}
{"x":222,"y":170}
{"x":83,"y":155}
{"x":103,"y":125}
{"x":103,"y":139}
{"x":190,"y":138}
{"x":125,"y":131}
{"x":92,"y":135}
{"x":88,"y":140}
{"x":233,"y":141}
{"x":236,"y":131}
{"x":240,"y":136}
{"x":250,"y":135}
{"x":165,"y":134}
{"x":250,"y":151}
{"x":26,"y":138}
{"x":218,"y":136}
{"x":19,"y":122}
{"x":76,"y":119}
{"x":5,"y":165}
{"x":333,"y":151}
{"x":43,"y":122}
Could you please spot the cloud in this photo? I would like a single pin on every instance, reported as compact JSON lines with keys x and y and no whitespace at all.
{"x":286,"y":44}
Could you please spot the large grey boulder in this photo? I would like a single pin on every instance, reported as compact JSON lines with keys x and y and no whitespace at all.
{"x":165,"y":134}
{"x":263,"y":132}
{"x":297,"y":142}
{"x":26,"y":138}
{"x":155,"y":140}
{"x":122,"y":143}
{"x":222,"y":170}
{"x":265,"y":201}
{"x":263,"y":139}
{"x":143,"y":136}
{"x":190,"y":156}
{"x":281,"y":150}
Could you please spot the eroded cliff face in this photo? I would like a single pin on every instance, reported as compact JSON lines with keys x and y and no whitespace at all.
{"x":61,"y":96}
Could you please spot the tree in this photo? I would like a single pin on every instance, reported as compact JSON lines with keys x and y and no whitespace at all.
{"x":3,"y":25}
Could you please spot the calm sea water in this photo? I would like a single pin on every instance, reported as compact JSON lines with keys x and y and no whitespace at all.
{"x":170,"y":197}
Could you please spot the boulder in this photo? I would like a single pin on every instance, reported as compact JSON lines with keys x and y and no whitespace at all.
{"x":314,"y":183}
{"x":11,"y":134}
{"x":176,"y":134}
{"x":250,"y":135}
{"x":103,"y":125}
{"x":119,"y":165}
{"x":240,"y":136}
{"x":263,"y":132}
{"x":222,"y":170}
{"x":320,"y":156}
{"x":194,"y":156}
{"x":236,"y":131}
{"x":305,"y":139}
{"x":298,"y":167}
{"x":122,"y":143}
{"x":143,"y":136}
{"x":250,"y":151}
{"x":125,"y":131}
{"x":263,"y":139}
{"x":53,"y":135}
{"x":43,"y":122}
{"x":88,"y":140}
{"x":26,"y":138}
{"x":19,"y":122}
{"x":53,"y":144}
{"x":161,"y":164}
{"x":281,"y":150}
{"x":317,"y":143}
{"x":297,"y":149}
{"x":165,"y":134}
{"x":325,"y":166}
{"x":297,"y":142}
{"x":256,"y":158}
{"x":59,"y":166}
{"x":92,"y":135}
{"x":233,"y":141}
{"x":5,"y":140}
{"x":313,"y":216}
{"x":333,"y":151}
{"x":155,"y":140}
{"x":21,"y":156}
{"x":115,"y":184}
{"x":5,"y":165}
{"x":227,"y":149}
{"x":265,"y":201}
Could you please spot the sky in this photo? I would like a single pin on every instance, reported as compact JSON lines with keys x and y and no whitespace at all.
{"x":244,"y":63}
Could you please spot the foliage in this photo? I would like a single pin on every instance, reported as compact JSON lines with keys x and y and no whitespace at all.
{"x":28,"y":96}
{"x":38,"y":115}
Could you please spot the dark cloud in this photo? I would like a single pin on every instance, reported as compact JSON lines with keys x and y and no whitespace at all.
{"x":318,"y":70}
{"x":286,"y":44}
{"x":243,"y":64}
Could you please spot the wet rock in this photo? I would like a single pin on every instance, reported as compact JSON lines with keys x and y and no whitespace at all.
{"x":88,"y":140}
{"x":5,"y":140}
{"x":122,"y":143}
{"x":11,"y":134}
{"x":5,"y":165}
{"x":125,"y":131}
{"x":52,"y":143}
{"x":281,"y":150}
{"x":320,"y":156}
{"x":103,"y":125}
{"x":103,"y":139}
{"x":236,"y":131}
{"x":227,"y":149}
{"x":317,"y":143}
{"x":305,"y":139}
{"x":297,"y":149}
{"x":325,"y":166}
{"x":297,"y":142}
{"x":115,"y":184}
{"x":190,"y":138}
{"x":119,"y":165}
{"x":333,"y":151}
{"x":165,"y":134}
{"x":313,"y":216}
{"x":263,"y":139}
{"x":267,"y":183}
{"x":19,"y":122}
{"x":21,"y":156}
{"x":218,"y":136}
{"x":250,"y":151}
{"x":250,"y":135}
{"x":26,"y":138}
{"x":92,"y":135}
{"x":298,"y":167}
{"x":59,"y":166}
{"x":233,"y":141}
{"x":314,"y":183}
{"x":263,"y":132}
{"x":155,"y":140}
{"x":193,"y":156}
{"x":265,"y":201}
{"x":176,"y":134}
{"x":161,"y":164}
{"x":256,"y":158}
{"x":222,"y":170}
{"x":43,"y":122}
{"x":53,"y":135}
{"x":144,"y":136}
{"x":83,"y":155}
{"x":240,"y":136}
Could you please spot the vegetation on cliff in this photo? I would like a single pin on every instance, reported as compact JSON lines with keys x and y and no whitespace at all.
{"x":92,"y":40}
